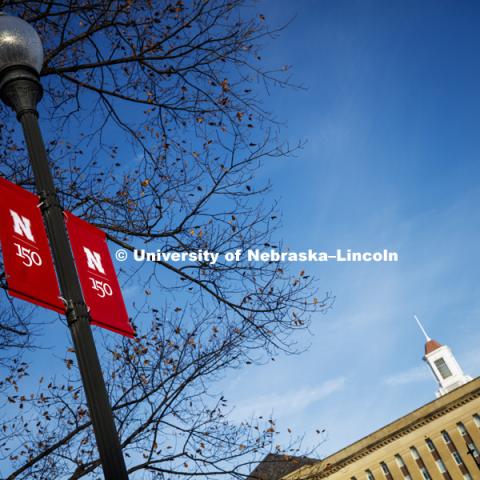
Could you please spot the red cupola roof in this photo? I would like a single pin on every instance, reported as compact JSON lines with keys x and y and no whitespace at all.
{"x":431,"y":346}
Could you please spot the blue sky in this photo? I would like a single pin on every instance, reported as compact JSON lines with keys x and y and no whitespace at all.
{"x":391,"y":115}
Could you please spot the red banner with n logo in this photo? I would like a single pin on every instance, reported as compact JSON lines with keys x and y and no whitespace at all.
{"x":26,"y":252}
{"x":29,"y":269}
{"x":97,"y":276}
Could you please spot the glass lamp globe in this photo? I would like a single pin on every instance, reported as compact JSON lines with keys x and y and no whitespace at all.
{"x":20,"y":45}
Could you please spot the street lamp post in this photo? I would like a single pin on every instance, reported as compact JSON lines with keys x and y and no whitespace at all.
{"x":21,"y":59}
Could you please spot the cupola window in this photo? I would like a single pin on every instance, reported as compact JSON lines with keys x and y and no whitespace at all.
{"x":442,"y":367}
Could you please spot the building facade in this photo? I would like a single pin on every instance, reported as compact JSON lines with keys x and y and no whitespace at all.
{"x":439,"y":441}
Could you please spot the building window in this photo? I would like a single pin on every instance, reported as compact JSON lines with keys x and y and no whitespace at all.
{"x":403,"y":468}
{"x":472,"y":449}
{"x":446,"y":437}
{"x":386,"y":470}
{"x":430,"y":444}
{"x":414,"y":453}
{"x":369,"y":475}
{"x":425,"y":474}
{"x":441,"y":466}
{"x":461,"y":429}
{"x":457,"y":458}
{"x":476,"y":419}
{"x":467,"y":476}
{"x":442,"y":367}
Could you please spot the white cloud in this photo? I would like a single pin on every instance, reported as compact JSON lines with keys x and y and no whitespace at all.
{"x":413,"y":375}
{"x":283,"y":403}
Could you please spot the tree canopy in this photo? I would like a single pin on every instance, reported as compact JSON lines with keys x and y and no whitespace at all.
{"x":156,"y":129}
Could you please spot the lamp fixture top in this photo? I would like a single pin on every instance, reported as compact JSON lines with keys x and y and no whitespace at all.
{"x":20,"y":44}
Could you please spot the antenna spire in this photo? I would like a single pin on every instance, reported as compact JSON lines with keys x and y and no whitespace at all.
{"x":421,"y":328}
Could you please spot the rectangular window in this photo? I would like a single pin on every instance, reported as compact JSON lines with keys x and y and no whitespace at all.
{"x":430,"y":444}
{"x":472,"y":449}
{"x":441,"y":466}
{"x":425,"y":474}
{"x":386,"y":470}
{"x":414,"y":453}
{"x":442,"y":367}
{"x":461,"y":429}
{"x":403,"y":468}
{"x":467,"y":476}
{"x":457,"y":458}
{"x":476,"y":419}
{"x":446,"y":437}
{"x":369,"y":475}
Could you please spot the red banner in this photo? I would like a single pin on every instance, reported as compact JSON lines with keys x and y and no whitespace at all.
{"x":97,"y":276}
{"x":26,"y":253}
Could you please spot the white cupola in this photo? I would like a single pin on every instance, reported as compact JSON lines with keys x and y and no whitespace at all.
{"x":443,"y":364}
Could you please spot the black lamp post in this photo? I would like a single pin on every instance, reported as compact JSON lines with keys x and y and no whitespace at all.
{"x":21,"y":59}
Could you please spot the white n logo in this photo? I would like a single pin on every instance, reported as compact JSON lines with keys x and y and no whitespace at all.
{"x":21,"y":226}
{"x":94,"y":260}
